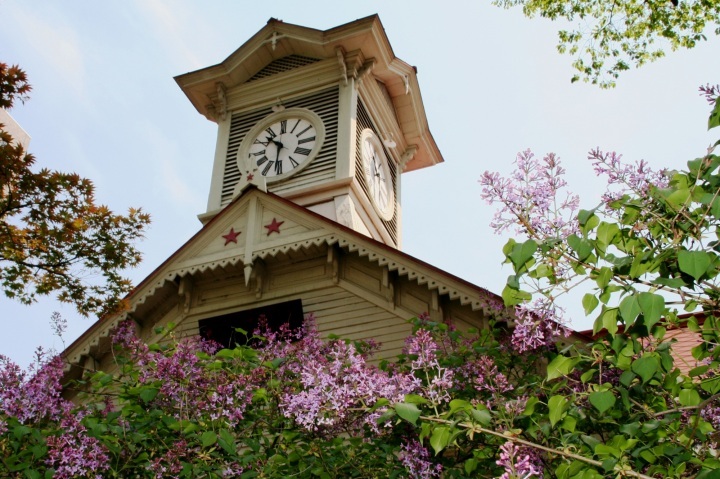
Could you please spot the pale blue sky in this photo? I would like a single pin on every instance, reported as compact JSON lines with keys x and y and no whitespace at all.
{"x":106,"y":106}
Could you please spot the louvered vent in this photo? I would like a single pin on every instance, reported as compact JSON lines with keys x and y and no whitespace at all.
{"x":363,"y":121}
{"x":284,"y":64}
{"x":322,"y":168}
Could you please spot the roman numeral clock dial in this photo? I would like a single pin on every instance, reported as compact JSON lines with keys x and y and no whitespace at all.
{"x":281,"y":144}
{"x":377,"y":174}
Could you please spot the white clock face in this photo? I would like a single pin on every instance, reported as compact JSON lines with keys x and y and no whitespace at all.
{"x":377,"y":174}
{"x":282,"y":144}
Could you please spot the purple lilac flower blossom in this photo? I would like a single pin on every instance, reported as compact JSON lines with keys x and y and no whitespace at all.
{"x":184,"y":387}
{"x":332,"y":389}
{"x":169,"y":465}
{"x":58,"y":324}
{"x":484,"y":375}
{"x":530,"y":198}
{"x":74,"y":454}
{"x":35,"y":397}
{"x":538,"y":325}
{"x":416,"y":460}
{"x":519,"y":462}
{"x":439,"y":380}
{"x":623,"y":178}
{"x":710,"y":92}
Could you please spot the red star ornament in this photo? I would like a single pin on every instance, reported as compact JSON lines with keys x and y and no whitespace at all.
{"x":274,"y":227}
{"x":231,"y":237}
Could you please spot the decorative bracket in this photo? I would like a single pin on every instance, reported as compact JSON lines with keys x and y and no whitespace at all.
{"x":211,"y":112}
{"x":185,"y":292}
{"x":364,"y":71}
{"x":341,"y":60}
{"x":221,"y":102}
{"x":435,"y":300}
{"x":389,"y":285}
{"x":248,"y":272}
{"x":334,"y":262}
{"x":90,"y":364}
{"x":408,"y":155}
{"x":257,"y":272}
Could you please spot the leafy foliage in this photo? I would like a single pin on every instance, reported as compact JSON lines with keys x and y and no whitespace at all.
{"x":650,"y":253}
{"x":53,"y":236}
{"x":458,"y":404}
{"x":512,"y":400}
{"x":607,"y":38}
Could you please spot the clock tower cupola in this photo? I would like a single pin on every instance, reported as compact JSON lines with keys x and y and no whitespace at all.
{"x":327,"y":119}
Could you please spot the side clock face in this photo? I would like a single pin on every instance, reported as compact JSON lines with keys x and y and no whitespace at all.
{"x":377,"y":174}
{"x":282,"y":144}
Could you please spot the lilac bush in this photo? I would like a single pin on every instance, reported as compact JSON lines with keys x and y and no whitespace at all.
{"x":514,"y":399}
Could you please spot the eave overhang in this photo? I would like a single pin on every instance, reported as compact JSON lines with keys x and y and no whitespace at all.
{"x":278,"y":39}
{"x":166,"y":278}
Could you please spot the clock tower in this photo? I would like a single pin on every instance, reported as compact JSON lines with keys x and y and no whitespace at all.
{"x":315,"y":129}
{"x":326,"y":119}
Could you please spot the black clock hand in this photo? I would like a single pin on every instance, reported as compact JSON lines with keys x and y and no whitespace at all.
{"x":278,"y":146}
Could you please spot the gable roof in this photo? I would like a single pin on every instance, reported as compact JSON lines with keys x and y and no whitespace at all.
{"x":353,"y":49}
{"x":252,"y":215}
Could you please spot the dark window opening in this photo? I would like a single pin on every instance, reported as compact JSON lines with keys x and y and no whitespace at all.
{"x":223,"y":329}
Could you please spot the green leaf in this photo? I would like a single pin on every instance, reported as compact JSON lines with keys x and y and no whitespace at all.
{"x":671,"y":282}
{"x":459,"y":405}
{"x":470,"y":465}
{"x":589,"y":303}
{"x":607,"y":320}
{"x":629,"y":309}
{"x":689,"y":397}
{"x":227,"y":442}
{"x":415,"y":399}
{"x":639,"y":266}
{"x":482,"y":416}
{"x":590,"y":224}
{"x":709,"y":474}
{"x":582,"y":247}
{"x":603,"y":450}
{"x":602,"y":400}
{"x":711,"y":385}
{"x":694,"y":263}
{"x":522,"y":253}
{"x":530,"y":405}
{"x":645,"y":367}
{"x":408,"y":411}
{"x":652,"y":306}
{"x":148,"y":394}
{"x":557,"y":406}
{"x":190,"y":427}
{"x":715,"y":208}
{"x":569,"y":423}
{"x":714,"y":119}
{"x":208,"y":438}
{"x":560,"y":366}
{"x":606,"y":233}
{"x":440,"y":438}
{"x":511,"y":296}
{"x":584,"y":215}
{"x":604,"y":275}
{"x":678,"y":198}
